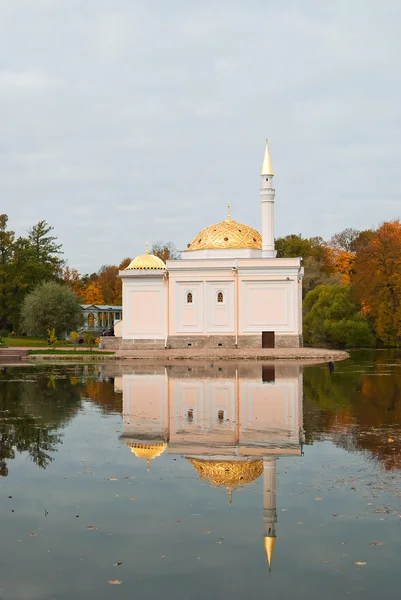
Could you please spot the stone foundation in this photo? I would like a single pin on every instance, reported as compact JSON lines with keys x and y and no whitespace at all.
{"x":289,"y":341}
{"x":181,"y":342}
{"x":117,"y":343}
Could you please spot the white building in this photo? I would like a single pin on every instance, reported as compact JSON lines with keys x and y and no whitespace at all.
{"x":228,"y":289}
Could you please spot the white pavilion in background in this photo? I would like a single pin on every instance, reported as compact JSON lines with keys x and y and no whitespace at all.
{"x":228,"y":289}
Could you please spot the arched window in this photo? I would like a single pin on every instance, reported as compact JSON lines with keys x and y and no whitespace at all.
{"x":189,"y":298}
{"x":100,"y":319}
{"x":220,"y":297}
{"x":91,"y":320}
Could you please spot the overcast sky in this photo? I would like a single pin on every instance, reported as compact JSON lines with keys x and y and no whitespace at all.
{"x":127,"y":120}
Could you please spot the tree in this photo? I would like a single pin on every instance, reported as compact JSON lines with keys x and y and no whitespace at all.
{"x":108,"y":276}
{"x":377,"y":281}
{"x":343,"y":263}
{"x":332,"y":317}
{"x":50,"y":305}
{"x":74,"y":281}
{"x":293,"y":246}
{"x":315,"y":275}
{"x":165,"y":250}
{"x":93,"y":294}
{"x":351,"y":240}
{"x":6,"y":283}
{"x":45,"y":263}
{"x":345,"y":240}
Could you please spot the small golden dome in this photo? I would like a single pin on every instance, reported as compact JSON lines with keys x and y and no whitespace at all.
{"x":227,"y":234}
{"x":146,"y":261}
{"x":147,"y":451}
{"x":229,"y":474}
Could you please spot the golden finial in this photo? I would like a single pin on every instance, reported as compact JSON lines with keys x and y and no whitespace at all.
{"x":147,"y":247}
{"x":270,"y":542}
{"x":267,"y":167}
{"x":228,"y":213}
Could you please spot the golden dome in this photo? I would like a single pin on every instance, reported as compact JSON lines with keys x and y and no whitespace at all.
{"x":229,"y":474}
{"x":146,"y":261}
{"x":227,"y":234}
{"x":147,"y":451}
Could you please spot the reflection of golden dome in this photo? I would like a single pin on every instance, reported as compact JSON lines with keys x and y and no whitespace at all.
{"x":229,"y":474}
{"x":146,"y":261}
{"x":147,"y":451}
{"x":227,"y":234}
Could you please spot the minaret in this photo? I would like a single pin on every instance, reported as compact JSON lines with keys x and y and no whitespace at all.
{"x":269,"y":506}
{"x":267,"y":193}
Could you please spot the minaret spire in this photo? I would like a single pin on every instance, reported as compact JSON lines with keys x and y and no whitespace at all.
{"x":267,"y":167}
{"x":267,"y":194}
{"x":269,"y":506}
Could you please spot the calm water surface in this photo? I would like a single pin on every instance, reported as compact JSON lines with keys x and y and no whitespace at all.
{"x":184,"y":482}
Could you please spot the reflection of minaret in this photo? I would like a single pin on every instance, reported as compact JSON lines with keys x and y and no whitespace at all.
{"x":269,"y":506}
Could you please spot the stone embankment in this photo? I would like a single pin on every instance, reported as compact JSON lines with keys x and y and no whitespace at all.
{"x":315,"y":355}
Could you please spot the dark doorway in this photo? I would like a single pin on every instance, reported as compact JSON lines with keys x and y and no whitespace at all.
{"x":268,"y":374}
{"x":267,"y":339}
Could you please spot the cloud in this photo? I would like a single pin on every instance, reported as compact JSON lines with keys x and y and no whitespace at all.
{"x":23,"y":81}
{"x":153,"y":116}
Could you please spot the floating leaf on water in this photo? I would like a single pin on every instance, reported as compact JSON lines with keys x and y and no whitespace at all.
{"x":33,"y":534}
{"x":390,"y":440}
{"x":132,"y":498}
{"x":91,"y":527}
{"x":317,"y":498}
{"x":300,"y":523}
{"x":360,"y":563}
{"x":376,"y":544}
{"x":115,"y":581}
{"x":112,"y":479}
{"x":117,"y":564}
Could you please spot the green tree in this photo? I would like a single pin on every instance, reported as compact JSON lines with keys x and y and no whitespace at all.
{"x":6,"y":271}
{"x":315,"y":275}
{"x":50,"y":305}
{"x":332,"y":317}
{"x":43,"y":255}
{"x":293,"y":246}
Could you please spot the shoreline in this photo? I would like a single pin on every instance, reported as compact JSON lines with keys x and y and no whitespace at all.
{"x":306,"y":355}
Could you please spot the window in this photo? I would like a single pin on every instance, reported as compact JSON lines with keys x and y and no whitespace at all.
{"x":106,"y":319}
{"x":117,"y":317}
{"x":220,"y":297}
{"x":91,"y":319}
{"x":189,"y":298}
{"x":100,"y":319}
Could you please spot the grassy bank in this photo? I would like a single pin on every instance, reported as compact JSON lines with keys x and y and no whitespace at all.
{"x":30,"y":342}
{"x":69,"y":352}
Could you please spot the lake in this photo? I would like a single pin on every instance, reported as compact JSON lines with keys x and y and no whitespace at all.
{"x":213,"y":480}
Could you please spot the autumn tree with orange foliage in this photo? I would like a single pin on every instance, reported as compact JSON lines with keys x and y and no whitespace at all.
{"x":73,"y":279}
{"x":343,"y":263}
{"x":93,"y":294}
{"x":377,"y":281}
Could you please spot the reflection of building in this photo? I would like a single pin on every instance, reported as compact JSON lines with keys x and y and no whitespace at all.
{"x":228,"y":289}
{"x":231,"y":423}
